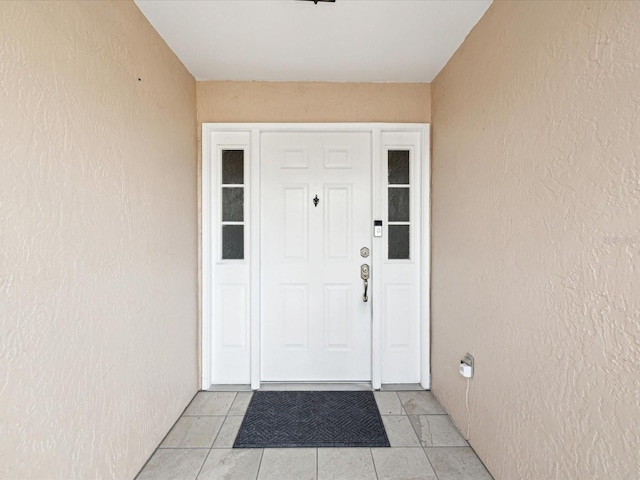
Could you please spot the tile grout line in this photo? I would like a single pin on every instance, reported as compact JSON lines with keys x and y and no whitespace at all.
{"x":375,"y":470}
{"x":166,"y":435}
{"x":479,"y":459}
{"x":406,"y":414}
{"x":416,"y":431}
{"x":182,"y":415}
{"x":202,"y":466}
{"x":418,"y":436}
{"x":225,"y":420}
{"x":431,"y":464}
{"x":294,"y":448}
{"x":185,"y":448}
{"x":260,"y":464}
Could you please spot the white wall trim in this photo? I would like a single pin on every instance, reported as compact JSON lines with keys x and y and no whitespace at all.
{"x":207,"y":282}
{"x":255,"y":258}
{"x":376,"y":261}
{"x":425,"y":271}
{"x":255,"y":130}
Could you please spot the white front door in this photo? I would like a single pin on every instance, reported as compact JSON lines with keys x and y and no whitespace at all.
{"x":315,"y":219}
{"x":281,"y":286}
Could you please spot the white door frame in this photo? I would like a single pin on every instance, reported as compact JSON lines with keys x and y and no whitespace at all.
{"x":253,"y":209}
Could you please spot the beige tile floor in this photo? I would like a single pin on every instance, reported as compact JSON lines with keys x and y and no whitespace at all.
{"x":425,"y":444}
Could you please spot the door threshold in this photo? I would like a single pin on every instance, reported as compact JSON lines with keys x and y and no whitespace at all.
{"x":317,"y":386}
{"x":229,"y":388}
{"x":401,"y":387}
{"x":309,"y":386}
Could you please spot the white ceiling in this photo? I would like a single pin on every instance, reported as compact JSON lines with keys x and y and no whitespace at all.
{"x":293,"y":40}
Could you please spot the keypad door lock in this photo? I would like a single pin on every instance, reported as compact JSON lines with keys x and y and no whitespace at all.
{"x":364,"y":274}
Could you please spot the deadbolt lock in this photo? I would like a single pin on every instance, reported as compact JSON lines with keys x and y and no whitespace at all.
{"x":364,"y":271}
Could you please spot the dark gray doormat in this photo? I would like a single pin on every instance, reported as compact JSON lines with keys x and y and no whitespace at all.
{"x":312,"y":419}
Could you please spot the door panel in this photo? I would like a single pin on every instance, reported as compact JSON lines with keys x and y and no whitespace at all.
{"x":315,"y":326}
{"x":232,"y":302}
{"x":296,"y":231}
{"x":337,"y":309}
{"x":338,"y":231}
{"x":399,"y":314}
{"x":295,"y":315}
{"x":399,"y":276}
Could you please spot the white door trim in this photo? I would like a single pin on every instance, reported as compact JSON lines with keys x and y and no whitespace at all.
{"x":253,"y":184}
{"x":425,"y":268}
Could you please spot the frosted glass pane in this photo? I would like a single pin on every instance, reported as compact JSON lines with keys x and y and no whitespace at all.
{"x":398,"y":204}
{"x":398,"y":167}
{"x":232,"y":242}
{"x":399,"y":242}
{"x":233,"y":204}
{"x":233,"y":167}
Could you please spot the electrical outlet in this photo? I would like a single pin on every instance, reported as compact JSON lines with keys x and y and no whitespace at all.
{"x":468,"y":359}
{"x":466,"y":366}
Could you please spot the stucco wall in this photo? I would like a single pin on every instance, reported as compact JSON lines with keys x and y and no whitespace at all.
{"x":536,"y":238}
{"x":313,"y":102}
{"x":98,"y":259}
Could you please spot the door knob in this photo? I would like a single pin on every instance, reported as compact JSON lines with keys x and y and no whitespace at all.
{"x":364,"y":274}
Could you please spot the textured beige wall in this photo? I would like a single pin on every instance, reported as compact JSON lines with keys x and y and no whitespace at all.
{"x":98,"y":261}
{"x":536,"y":238}
{"x":313,"y":102}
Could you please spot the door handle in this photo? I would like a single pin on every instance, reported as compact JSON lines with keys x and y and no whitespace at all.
{"x":364,"y":274}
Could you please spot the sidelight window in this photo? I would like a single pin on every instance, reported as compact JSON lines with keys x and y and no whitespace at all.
{"x":399,"y":204}
{"x":233,"y":195}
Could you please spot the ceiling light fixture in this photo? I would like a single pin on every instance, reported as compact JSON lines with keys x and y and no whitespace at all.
{"x":316,"y":1}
